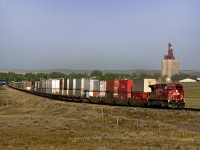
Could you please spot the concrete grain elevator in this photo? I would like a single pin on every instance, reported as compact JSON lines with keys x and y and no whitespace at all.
{"x":170,"y":66}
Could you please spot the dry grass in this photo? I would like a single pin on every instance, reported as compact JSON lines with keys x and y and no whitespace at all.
{"x":192,"y":94}
{"x":31,"y":122}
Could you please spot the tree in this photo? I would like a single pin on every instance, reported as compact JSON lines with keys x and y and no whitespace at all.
{"x":57,"y":75}
{"x":96,"y":73}
{"x":156,"y":75}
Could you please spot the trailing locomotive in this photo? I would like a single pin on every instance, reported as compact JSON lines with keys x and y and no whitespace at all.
{"x":137,"y":92}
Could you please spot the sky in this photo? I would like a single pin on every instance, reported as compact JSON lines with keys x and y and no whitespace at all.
{"x":98,"y":34}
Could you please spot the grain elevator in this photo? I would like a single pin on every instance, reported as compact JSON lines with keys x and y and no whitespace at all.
{"x":170,"y":65}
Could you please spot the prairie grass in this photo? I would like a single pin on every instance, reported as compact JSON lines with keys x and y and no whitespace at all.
{"x":32,"y":122}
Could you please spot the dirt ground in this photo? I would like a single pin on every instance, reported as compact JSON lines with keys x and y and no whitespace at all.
{"x":32,"y":122}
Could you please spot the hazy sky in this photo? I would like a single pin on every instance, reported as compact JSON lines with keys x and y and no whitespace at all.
{"x":98,"y":34}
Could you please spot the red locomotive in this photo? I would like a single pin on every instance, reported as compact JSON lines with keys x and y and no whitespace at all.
{"x":166,"y":95}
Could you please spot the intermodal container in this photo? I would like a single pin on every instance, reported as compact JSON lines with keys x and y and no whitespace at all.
{"x":136,"y":95}
{"x":112,"y":85}
{"x":102,"y":94}
{"x":102,"y":85}
{"x":82,"y":84}
{"x":64,"y":92}
{"x":92,"y":94}
{"x":142,"y":85}
{"x":125,"y":86}
{"x":71,"y":92}
{"x":72,"y":84}
{"x":63,"y":84}
{"x":94,"y":85}
{"x":79,"y":93}
{"x":124,"y":95}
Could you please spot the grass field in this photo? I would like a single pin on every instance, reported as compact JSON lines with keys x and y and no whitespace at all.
{"x":32,"y":122}
{"x":192,"y":94}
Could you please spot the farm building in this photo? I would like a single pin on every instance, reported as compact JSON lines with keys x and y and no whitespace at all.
{"x":188,"y":80}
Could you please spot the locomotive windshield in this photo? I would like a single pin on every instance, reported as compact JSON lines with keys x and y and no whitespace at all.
{"x":170,"y":87}
{"x":174,"y":87}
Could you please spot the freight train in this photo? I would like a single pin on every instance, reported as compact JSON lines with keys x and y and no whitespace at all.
{"x":137,"y":92}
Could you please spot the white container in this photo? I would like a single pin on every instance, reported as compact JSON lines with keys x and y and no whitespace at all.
{"x":142,"y":85}
{"x":43,"y":84}
{"x":102,"y":85}
{"x":55,"y":83}
{"x":89,"y":94}
{"x":28,"y":88}
{"x":67,"y":84}
{"x":102,"y":94}
{"x":55,"y":91}
{"x":94,"y":85}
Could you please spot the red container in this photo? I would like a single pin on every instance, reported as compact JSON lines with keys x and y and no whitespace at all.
{"x":124,"y":95}
{"x":125,"y":86}
{"x":112,"y":85}
{"x":139,"y":95}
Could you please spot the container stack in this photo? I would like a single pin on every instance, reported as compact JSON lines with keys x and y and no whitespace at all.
{"x":141,"y":88}
{"x":48,"y":87}
{"x":102,"y":88}
{"x":55,"y":85}
{"x":38,"y":86}
{"x":43,"y":86}
{"x":112,"y":88}
{"x":72,"y":87}
{"x":28,"y":85}
{"x":93,"y":89}
{"x":63,"y":86}
{"x":125,"y":88}
{"x":82,"y":85}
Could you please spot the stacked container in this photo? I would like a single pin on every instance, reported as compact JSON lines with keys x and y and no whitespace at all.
{"x":63,"y":86}
{"x":52,"y":86}
{"x":55,"y":86}
{"x":125,"y":88}
{"x":37,"y":86}
{"x":141,"y":88}
{"x":112,"y":88}
{"x":94,"y":88}
{"x":82,"y":85}
{"x":72,"y":87}
{"x":102,"y":88}
{"x":28,"y":85}
{"x":48,"y":86}
{"x":43,"y":86}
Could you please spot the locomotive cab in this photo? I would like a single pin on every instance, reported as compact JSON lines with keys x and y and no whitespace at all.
{"x":175,"y":94}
